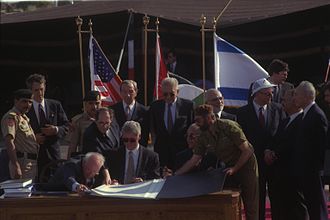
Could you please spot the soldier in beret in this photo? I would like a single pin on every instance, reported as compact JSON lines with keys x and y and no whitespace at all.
{"x":20,"y":139}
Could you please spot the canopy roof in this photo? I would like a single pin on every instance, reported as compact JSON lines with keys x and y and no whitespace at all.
{"x":186,"y":11}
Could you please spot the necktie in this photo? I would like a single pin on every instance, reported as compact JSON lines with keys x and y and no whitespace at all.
{"x":276,"y":94}
{"x":130,"y":168}
{"x":261,"y":118}
{"x":128,"y":111}
{"x":169,"y":118}
{"x":42,"y":116}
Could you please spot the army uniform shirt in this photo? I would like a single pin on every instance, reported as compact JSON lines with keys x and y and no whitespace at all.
{"x":80,"y":123}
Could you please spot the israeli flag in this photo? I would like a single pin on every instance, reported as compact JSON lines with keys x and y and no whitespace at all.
{"x":234,"y":72}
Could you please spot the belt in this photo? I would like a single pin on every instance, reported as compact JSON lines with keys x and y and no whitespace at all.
{"x":28,"y":155}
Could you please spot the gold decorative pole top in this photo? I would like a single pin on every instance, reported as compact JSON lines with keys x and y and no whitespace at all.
{"x":214,"y":24}
{"x":90,"y":25}
{"x":146,"y":20}
{"x":157,"y":24}
{"x":203,"y":20}
{"x":79,"y":21}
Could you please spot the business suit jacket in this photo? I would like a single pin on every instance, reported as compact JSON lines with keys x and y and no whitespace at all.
{"x":147,"y":165}
{"x":167,"y":145}
{"x":311,"y":143}
{"x":95,"y":141}
{"x":72,"y":172}
{"x":259,"y":137}
{"x":308,"y":160}
{"x":139,"y":114}
{"x":55,"y":115}
{"x":225,"y":115}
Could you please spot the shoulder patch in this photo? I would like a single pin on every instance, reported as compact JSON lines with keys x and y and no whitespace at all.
{"x":10,"y":122}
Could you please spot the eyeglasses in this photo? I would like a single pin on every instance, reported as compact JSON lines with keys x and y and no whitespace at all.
{"x":131,"y":140}
{"x":165,"y":94}
{"x":216,"y":99}
{"x":267,"y":93}
{"x":191,"y":136}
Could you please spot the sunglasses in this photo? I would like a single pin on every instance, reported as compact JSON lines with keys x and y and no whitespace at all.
{"x":216,"y":99}
{"x":131,"y":140}
{"x":165,"y":94}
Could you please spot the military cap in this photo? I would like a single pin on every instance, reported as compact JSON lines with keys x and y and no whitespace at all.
{"x":23,"y":94}
{"x":92,"y":96}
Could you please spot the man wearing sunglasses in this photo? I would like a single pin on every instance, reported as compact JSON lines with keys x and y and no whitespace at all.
{"x":133,"y":163}
{"x":259,"y":120}
{"x":170,"y":119}
{"x":215,"y":98}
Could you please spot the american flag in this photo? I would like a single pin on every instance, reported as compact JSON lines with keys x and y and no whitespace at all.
{"x":103,"y":76}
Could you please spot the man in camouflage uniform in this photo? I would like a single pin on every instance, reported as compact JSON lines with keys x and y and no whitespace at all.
{"x":92,"y":102}
{"x":227,"y":141}
{"x":20,"y":140}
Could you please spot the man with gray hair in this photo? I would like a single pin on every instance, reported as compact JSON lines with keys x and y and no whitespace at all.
{"x":130,"y":109}
{"x":215,"y":98}
{"x":80,"y":175}
{"x":170,"y":119}
{"x":133,"y":162}
{"x":309,"y":149}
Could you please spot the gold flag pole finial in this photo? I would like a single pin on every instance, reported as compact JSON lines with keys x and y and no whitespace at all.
{"x":79,"y":22}
{"x":203,"y":21}
{"x":146,"y":20}
{"x":90,"y":25}
{"x":157,"y":25}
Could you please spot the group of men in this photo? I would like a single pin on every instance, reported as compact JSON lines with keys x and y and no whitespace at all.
{"x":275,"y":142}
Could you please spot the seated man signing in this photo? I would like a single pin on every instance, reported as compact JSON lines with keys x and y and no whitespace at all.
{"x":227,"y":141}
{"x":133,"y":163}
{"x":80,"y":175}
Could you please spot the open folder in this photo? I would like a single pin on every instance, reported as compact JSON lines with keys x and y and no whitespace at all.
{"x":181,"y":186}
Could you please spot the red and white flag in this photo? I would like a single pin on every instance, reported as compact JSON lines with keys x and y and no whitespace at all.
{"x":103,"y":76}
{"x":161,"y":71}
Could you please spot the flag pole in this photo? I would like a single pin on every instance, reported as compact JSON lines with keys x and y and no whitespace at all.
{"x":79,"y":22}
{"x":124,"y":42}
{"x":146,"y":20}
{"x":203,"y":30}
{"x":327,"y":73}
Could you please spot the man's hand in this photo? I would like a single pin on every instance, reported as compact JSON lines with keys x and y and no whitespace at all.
{"x":230,"y":171}
{"x":82,"y":189}
{"x":269,"y":157}
{"x":137,"y":180}
{"x":49,"y":130}
{"x":166,"y":172}
{"x":107,"y":178}
{"x":40,"y":138}
{"x":17,"y":171}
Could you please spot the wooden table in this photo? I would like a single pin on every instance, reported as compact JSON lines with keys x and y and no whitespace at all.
{"x":222,"y":205}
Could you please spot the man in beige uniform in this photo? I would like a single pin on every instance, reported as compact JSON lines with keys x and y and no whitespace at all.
{"x":92,"y":102}
{"x":20,"y":140}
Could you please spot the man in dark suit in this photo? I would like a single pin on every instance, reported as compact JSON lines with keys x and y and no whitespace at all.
{"x":103,"y":134}
{"x":286,"y":204}
{"x":130,"y":109}
{"x":174,"y":66}
{"x":308,"y":154}
{"x":170,"y":119}
{"x":215,"y":98}
{"x":48,"y":121}
{"x":133,"y":163}
{"x":80,"y":174}
{"x":259,"y":120}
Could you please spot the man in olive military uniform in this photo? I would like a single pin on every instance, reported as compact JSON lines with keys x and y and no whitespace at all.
{"x":92,"y":102}
{"x":20,"y":141}
{"x":227,"y":141}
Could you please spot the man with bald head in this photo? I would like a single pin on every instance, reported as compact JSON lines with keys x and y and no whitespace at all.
{"x":215,"y":98}
{"x":309,"y":150}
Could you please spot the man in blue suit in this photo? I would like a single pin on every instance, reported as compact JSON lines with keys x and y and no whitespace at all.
{"x":170,"y":119}
{"x":48,"y":121}
{"x":309,"y":149}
